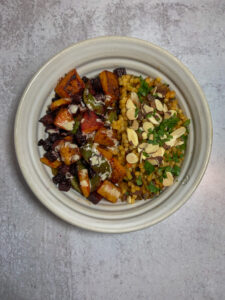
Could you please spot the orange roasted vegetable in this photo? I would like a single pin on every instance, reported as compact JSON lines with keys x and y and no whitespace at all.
{"x":118,"y":171}
{"x":90,"y":122}
{"x":110,"y":85}
{"x":70,"y":85}
{"x":109,"y":191}
{"x":69,"y":152}
{"x":56,"y":104}
{"x":105,"y":137}
{"x":64,"y":119}
{"x":106,"y":153}
{"x":84,"y":180}
{"x":55,"y":164}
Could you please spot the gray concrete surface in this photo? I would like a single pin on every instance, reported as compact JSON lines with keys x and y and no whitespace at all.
{"x":41,"y":257}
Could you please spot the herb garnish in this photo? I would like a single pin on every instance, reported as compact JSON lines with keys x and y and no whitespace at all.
{"x":149,"y":168}
{"x":152,"y":188}
{"x":139,"y":180}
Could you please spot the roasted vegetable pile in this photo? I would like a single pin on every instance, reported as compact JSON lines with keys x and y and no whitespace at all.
{"x":81,"y":143}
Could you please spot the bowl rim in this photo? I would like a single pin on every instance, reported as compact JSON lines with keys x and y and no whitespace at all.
{"x":208,"y":117}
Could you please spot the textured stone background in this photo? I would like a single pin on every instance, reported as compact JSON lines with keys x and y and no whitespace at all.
{"x":41,"y":257}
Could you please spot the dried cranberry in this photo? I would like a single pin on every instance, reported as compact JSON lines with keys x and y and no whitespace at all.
{"x":41,"y":142}
{"x":53,"y":137}
{"x":80,"y":138}
{"x":47,"y":119}
{"x":120,"y":72}
{"x":51,"y":155}
{"x":47,"y":145}
{"x":85,"y":79}
{"x":151,"y":98}
{"x":96,"y":84}
{"x":73,"y":169}
{"x":58,"y":178}
{"x":63,"y":169}
{"x":56,"y":97}
{"x":77,"y":99}
{"x":64,"y":185}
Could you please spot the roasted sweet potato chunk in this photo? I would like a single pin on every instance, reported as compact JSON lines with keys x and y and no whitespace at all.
{"x":69,"y":152}
{"x":105,"y":137}
{"x":84,"y":180}
{"x":109,"y":191}
{"x":70,"y":85}
{"x":118,"y":171}
{"x":64,"y":119}
{"x":110,"y":86}
{"x":90,"y":122}
{"x":55,"y":164}
{"x":106,"y":153}
{"x":56,"y":104}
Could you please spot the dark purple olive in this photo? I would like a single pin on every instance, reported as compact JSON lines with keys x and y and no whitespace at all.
{"x":47,"y":119}
{"x":120,"y":72}
{"x":96,"y":84}
{"x":51,"y":155}
{"x":64,"y":185}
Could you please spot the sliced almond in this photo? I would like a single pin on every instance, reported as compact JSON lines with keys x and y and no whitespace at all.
{"x":132,"y":136}
{"x":131,"y":114}
{"x":156,"y":120}
{"x":130,"y":104}
{"x":170,"y":114}
{"x":151,"y":148}
{"x":143,"y":145}
{"x":160,"y":95}
{"x":168,"y":181}
{"x":147,"y":126}
{"x":159,"y":152}
{"x":144,"y":135}
{"x":171,"y":142}
{"x":147,"y":109}
{"x":132,"y":158}
{"x":165,"y":108}
{"x":154,"y":162}
{"x":135,"y":125}
{"x":179,"y":132}
{"x":159,"y":105}
{"x":179,"y":143}
{"x":134,"y":98}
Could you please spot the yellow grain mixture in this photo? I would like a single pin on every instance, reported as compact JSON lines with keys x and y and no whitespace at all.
{"x":152,"y":131}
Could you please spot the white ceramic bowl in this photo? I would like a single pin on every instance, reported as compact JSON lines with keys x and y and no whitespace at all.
{"x":90,"y":57}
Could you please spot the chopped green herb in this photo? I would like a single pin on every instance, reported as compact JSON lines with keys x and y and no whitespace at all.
{"x":143,"y":90}
{"x":187,"y":122}
{"x":149,"y":168}
{"x":176,"y":170}
{"x":136,"y":112}
{"x":152,"y":188}
{"x":139,"y":180}
{"x":145,"y":154}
